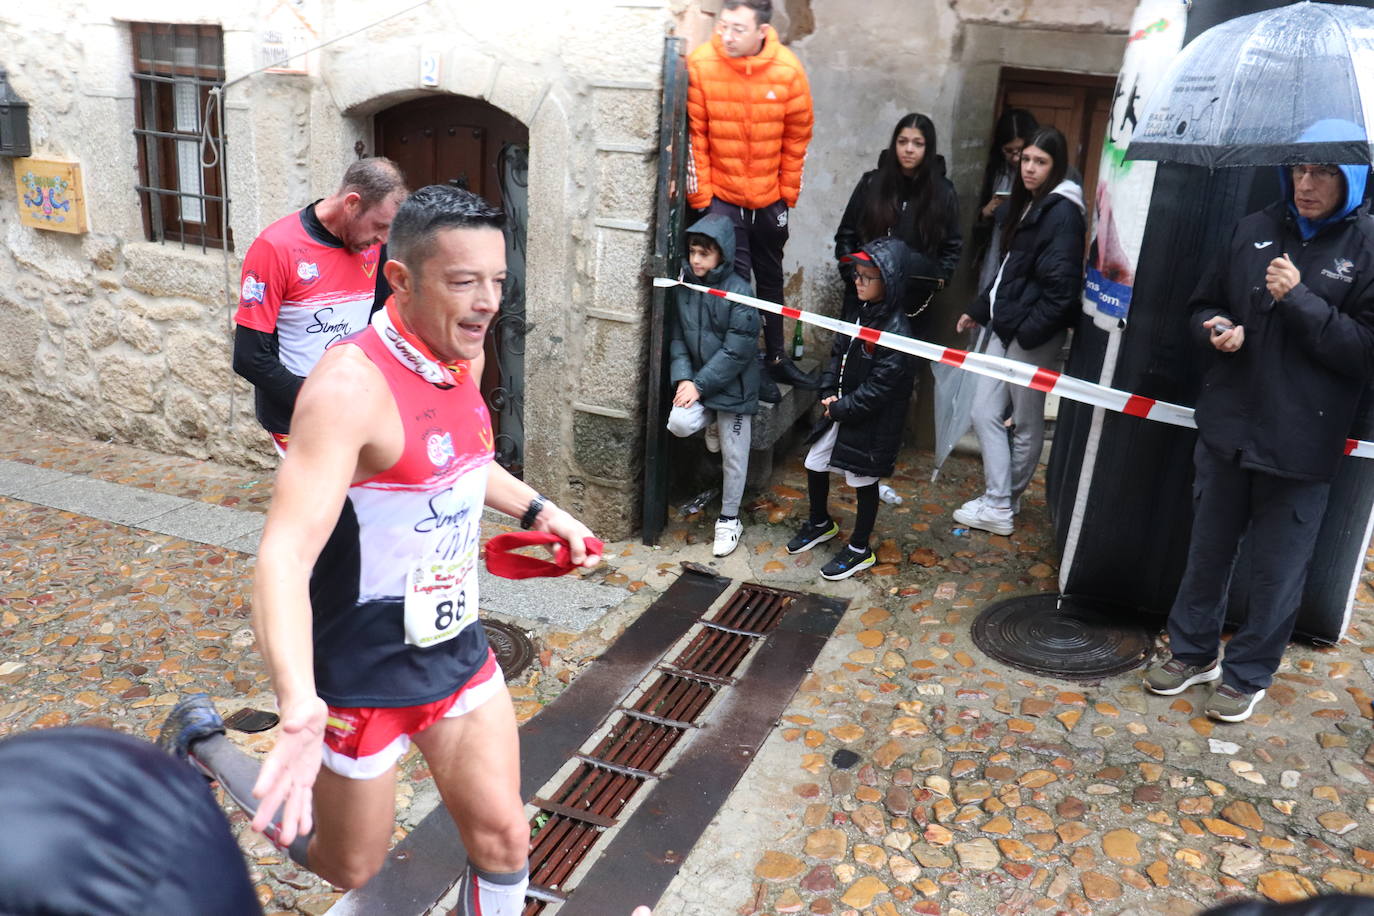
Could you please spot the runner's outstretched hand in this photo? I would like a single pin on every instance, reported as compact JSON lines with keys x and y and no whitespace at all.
{"x":288,"y":774}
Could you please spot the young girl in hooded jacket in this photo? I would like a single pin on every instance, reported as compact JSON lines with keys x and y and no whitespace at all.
{"x":1029,"y":307}
{"x":864,"y":395}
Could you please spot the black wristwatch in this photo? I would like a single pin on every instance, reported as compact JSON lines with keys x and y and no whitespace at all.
{"x":532,"y":512}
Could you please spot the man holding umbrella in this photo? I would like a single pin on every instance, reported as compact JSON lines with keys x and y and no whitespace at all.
{"x":1286,"y":316}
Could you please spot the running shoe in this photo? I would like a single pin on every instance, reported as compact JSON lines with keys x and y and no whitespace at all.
{"x":1171,"y":676}
{"x":846,"y":562}
{"x":1228,"y":704}
{"x":192,"y":719}
{"x":812,"y":534}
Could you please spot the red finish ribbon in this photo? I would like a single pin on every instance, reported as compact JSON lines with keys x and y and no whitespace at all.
{"x":503,"y":561}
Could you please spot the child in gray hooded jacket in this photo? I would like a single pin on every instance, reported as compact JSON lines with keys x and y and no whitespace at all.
{"x":712,"y":345}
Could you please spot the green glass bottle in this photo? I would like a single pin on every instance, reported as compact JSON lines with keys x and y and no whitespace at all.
{"x":798,"y":345}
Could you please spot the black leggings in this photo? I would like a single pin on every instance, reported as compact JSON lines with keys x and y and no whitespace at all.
{"x":818,"y":487}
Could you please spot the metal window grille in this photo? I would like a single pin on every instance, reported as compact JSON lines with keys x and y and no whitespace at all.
{"x":174,"y":69}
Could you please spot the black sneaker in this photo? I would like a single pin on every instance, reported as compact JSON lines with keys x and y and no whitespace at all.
{"x":190,"y":720}
{"x":811,"y":535}
{"x":846,"y":563}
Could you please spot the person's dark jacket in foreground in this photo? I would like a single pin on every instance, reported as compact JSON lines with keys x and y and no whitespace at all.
{"x":96,"y":821}
{"x":1041,"y":286}
{"x":1325,"y":905}
{"x":873,"y":383}
{"x":712,"y":341}
{"x":1283,"y":403}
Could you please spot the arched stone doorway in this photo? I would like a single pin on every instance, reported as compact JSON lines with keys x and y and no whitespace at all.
{"x":472,"y":144}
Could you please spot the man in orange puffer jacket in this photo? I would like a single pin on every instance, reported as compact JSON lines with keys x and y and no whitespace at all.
{"x":749,"y":109}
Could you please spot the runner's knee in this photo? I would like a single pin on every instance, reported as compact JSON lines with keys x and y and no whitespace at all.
{"x":349,"y":868}
{"x":499,"y":843}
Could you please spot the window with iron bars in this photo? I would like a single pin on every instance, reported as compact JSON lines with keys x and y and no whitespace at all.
{"x":175,"y":67}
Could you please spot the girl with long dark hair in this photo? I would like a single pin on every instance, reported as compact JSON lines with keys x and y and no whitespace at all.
{"x":1028,"y":307}
{"x":908,"y":197}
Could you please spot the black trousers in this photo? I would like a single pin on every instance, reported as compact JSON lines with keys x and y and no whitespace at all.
{"x":1279,"y":517}
{"x":760,"y":236}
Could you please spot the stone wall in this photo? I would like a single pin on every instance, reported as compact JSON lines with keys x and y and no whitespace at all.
{"x":111,"y":336}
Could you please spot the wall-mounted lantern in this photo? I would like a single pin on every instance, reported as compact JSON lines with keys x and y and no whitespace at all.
{"x":14,"y":120}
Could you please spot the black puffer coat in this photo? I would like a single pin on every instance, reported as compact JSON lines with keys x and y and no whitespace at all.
{"x":873,"y":383}
{"x":1041,"y":287}
{"x":1283,"y":403}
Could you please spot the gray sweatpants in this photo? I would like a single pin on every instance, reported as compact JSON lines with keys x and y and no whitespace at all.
{"x":735,"y":433}
{"x":1009,"y":462}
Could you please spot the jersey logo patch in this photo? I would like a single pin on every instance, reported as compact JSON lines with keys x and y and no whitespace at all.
{"x":771,"y":95}
{"x":370,"y":262}
{"x":253,"y":290}
{"x":307,"y":271}
{"x":1343,"y":267}
{"x":439,"y":447}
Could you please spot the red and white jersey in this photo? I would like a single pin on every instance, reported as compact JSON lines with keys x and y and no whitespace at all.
{"x":309,"y":292}
{"x":394,"y":592}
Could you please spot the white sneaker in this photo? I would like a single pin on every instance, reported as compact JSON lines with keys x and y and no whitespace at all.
{"x":973,"y":505}
{"x":727,"y":537}
{"x":986,"y":518}
{"x":713,"y":442}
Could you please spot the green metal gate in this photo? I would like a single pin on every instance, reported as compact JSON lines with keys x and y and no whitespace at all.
{"x":670,"y":215}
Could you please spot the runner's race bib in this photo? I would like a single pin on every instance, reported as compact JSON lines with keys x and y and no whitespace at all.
{"x":441,"y":599}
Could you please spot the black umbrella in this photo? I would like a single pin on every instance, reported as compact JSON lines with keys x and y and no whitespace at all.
{"x":1289,"y":85}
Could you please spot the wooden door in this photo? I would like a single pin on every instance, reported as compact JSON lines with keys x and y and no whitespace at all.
{"x":1078,"y":104}
{"x":470,"y":144}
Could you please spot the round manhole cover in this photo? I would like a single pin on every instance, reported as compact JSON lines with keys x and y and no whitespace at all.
{"x":1064,"y":636}
{"x":513,"y":648}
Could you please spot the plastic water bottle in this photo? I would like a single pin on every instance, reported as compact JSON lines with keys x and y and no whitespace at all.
{"x":889,"y":495}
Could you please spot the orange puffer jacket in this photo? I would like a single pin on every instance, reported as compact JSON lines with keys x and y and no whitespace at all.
{"x":750,"y":120}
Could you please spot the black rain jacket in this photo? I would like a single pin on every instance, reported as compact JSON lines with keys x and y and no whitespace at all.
{"x":848,"y":238}
{"x":1041,"y":284}
{"x":1284,"y":402}
{"x":873,"y":383}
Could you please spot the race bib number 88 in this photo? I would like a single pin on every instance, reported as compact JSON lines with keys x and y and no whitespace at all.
{"x":439,"y":601}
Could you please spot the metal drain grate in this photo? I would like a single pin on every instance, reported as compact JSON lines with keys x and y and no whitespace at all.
{"x":646,"y":713}
{"x":574,"y":818}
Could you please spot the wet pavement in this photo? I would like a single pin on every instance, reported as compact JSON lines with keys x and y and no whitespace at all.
{"x":967,"y":786}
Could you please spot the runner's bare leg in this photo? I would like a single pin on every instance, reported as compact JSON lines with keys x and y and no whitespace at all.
{"x":354,"y":820}
{"x":475,"y":759}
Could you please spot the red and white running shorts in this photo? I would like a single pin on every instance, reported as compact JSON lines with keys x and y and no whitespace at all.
{"x":364,"y":742}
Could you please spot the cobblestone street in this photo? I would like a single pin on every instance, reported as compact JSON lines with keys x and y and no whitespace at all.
{"x":970,"y":787}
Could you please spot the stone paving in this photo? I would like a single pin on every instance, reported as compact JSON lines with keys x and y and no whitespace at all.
{"x":911,"y":774}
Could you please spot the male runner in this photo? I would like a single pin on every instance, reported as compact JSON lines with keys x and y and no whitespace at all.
{"x":381,"y":494}
{"x":309,"y":280}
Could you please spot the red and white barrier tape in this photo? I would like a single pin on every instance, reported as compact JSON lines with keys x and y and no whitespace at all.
{"x":999,"y":367}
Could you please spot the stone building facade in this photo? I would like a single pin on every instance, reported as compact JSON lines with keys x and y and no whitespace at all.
{"x":110,"y":335}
